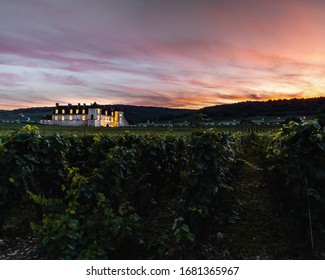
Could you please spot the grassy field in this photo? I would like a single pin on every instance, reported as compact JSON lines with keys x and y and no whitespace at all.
{"x":6,"y":128}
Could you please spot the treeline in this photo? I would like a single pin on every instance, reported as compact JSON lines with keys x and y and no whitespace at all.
{"x":136,"y":114}
{"x":268,"y":108}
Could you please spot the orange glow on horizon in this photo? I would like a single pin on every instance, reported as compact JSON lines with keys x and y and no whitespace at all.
{"x":192,"y":102}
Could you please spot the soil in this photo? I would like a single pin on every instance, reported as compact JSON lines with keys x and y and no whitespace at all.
{"x":19,"y":243}
{"x":260,"y":232}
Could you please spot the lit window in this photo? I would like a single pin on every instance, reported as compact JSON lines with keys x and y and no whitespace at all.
{"x":83,"y":111}
{"x":63,"y":111}
{"x":98,"y":111}
{"x":77,"y":111}
{"x":56,"y":111}
{"x":121,"y":114}
{"x":71,"y":111}
{"x":106,"y":113}
{"x":83,"y":118}
{"x":70,"y":118}
{"x":98,"y":118}
{"x":56,"y":118}
{"x":63,"y":118}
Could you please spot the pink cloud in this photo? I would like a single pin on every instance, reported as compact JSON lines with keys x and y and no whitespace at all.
{"x":9,"y":80}
{"x":63,"y":80}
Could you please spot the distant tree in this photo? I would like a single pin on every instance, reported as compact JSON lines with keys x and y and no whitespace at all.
{"x":198,"y":119}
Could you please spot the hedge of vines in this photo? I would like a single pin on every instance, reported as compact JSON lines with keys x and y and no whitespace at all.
{"x":130,"y":196}
{"x":295,"y":159}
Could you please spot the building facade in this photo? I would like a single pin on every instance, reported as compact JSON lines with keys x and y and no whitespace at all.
{"x":86,"y":115}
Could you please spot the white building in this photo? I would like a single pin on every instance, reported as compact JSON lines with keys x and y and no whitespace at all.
{"x":86,"y":115}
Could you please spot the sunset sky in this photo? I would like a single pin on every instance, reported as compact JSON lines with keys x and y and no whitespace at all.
{"x":168,"y":53}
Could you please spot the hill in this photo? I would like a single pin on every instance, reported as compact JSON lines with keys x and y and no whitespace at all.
{"x":138,"y":114}
{"x":268,"y":108}
{"x":25,"y":114}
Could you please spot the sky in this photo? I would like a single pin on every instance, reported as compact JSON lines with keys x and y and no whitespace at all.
{"x":166,"y":53}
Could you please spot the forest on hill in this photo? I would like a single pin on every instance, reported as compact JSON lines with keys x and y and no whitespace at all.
{"x":138,"y":114}
{"x":268,"y":108}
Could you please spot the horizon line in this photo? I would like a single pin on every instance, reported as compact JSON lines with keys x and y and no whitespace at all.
{"x":174,"y":108}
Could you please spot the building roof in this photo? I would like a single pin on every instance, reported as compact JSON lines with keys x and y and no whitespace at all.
{"x":85,"y":107}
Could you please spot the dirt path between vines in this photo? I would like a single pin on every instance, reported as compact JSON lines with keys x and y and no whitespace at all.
{"x":260,"y":233}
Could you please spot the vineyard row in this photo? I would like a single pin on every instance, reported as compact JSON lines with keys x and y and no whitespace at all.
{"x":131,"y":196}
